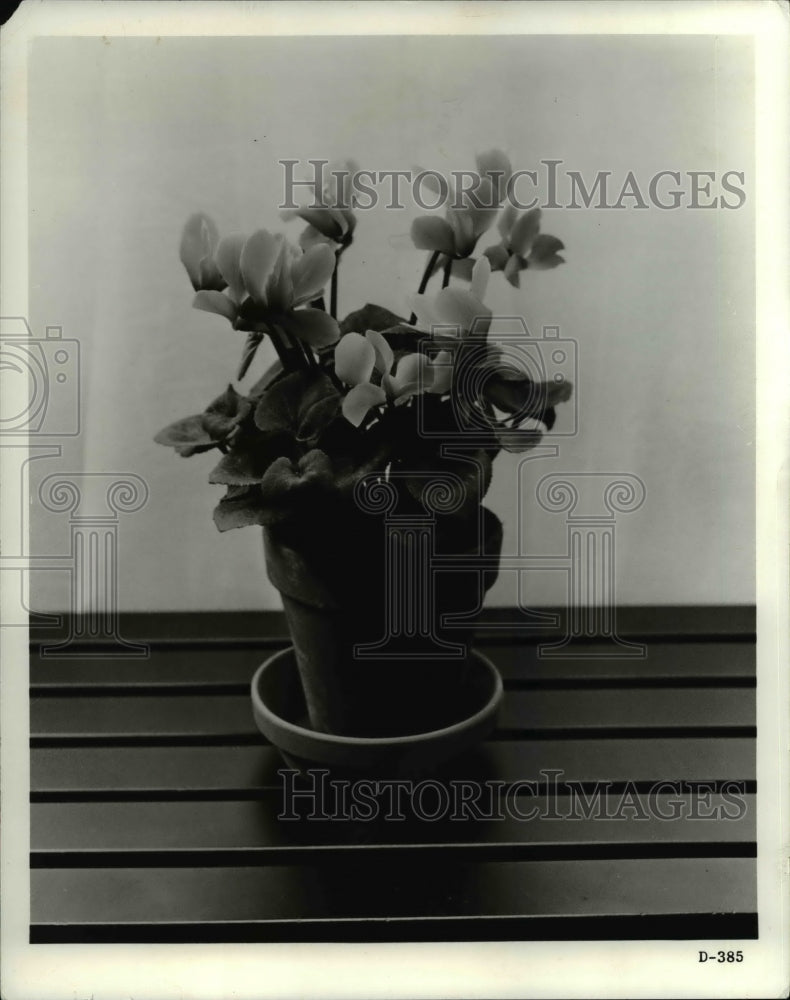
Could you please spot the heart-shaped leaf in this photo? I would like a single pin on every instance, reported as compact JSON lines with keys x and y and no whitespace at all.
{"x":240,"y":507}
{"x":249,"y":458}
{"x":188,"y":436}
{"x":370,"y":317}
{"x":301,"y":405}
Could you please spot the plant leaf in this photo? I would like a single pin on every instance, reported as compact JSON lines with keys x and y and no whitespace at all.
{"x":518,"y":439}
{"x":249,"y":458}
{"x":300,"y":405}
{"x":314,"y":326}
{"x":188,"y":436}
{"x":240,"y":507}
{"x":224,"y":413}
{"x":370,"y":317}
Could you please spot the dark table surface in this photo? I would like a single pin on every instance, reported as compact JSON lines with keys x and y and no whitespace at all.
{"x":155,"y":801}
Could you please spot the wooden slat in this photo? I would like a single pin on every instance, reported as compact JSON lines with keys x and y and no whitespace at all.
{"x":645,"y":927}
{"x":121,"y":898}
{"x":90,"y":833}
{"x":665,"y":660}
{"x":737,"y":621}
{"x":237,"y":771}
{"x":198,"y":716}
{"x":233,"y":667}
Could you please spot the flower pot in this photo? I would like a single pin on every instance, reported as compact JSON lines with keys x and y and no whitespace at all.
{"x":376,"y":651}
{"x":280,"y":713}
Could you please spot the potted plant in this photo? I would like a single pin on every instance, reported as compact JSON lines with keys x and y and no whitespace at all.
{"x":365,"y":453}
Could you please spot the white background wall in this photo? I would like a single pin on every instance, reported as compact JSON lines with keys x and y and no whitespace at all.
{"x":128,"y":137}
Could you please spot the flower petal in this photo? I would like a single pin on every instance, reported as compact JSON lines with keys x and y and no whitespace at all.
{"x":354,"y":359}
{"x":497,"y":167}
{"x":413,"y":374}
{"x":524,"y":231}
{"x":544,"y":253}
{"x":458,"y":307}
{"x":314,"y":326}
{"x":497,"y":256}
{"x":311,"y":271}
{"x":423,"y":308}
{"x":480,"y":275}
{"x":258,"y":258}
{"x":512,"y":268}
{"x":431,"y":179}
{"x":279,"y":287}
{"x":463,"y":268}
{"x":340,"y":181}
{"x":432,"y":232}
{"x":215,"y":302}
{"x":383,"y":351}
{"x":198,"y":240}
{"x":463,"y":228}
{"x":228,"y":257}
{"x":210,"y":278}
{"x":360,"y":400}
{"x":329,"y":222}
{"x":310,"y":237}
{"x":476,"y":214}
{"x":507,"y":219}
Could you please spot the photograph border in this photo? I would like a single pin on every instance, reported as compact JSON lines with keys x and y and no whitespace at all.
{"x":486,"y":969}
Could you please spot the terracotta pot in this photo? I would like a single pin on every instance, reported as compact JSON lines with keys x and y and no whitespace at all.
{"x":367,"y":611}
{"x":281,"y":715}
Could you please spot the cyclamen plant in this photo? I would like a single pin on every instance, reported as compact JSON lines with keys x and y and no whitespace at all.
{"x":374,"y":393}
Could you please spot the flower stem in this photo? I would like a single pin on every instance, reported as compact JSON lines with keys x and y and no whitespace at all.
{"x":448,"y":268}
{"x":335,"y":380}
{"x":250,"y":347}
{"x":279,"y":347}
{"x":333,"y":292}
{"x":426,"y":276}
{"x":308,"y":353}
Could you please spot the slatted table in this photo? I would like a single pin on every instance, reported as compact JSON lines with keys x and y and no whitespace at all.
{"x":155,"y":802}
